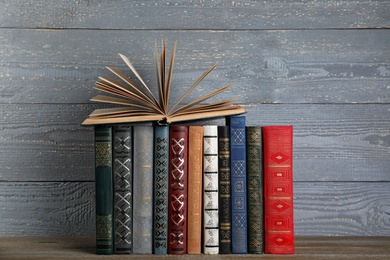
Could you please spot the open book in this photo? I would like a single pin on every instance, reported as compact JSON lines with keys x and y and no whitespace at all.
{"x":139,"y":103}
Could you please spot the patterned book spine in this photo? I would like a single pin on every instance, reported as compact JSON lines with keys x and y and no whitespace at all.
{"x":278,"y":189}
{"x":238,"y":179}
{"x":104,"y":190}
{"x":210,"y":189}
{"x":195,"y":185}
{"x":178,"y":166}
{"x":161,"y":169}
{"x":143,"y":189}
{"x":123,"y":180}
{"x":225,"y":219}
{"x":255,"y":189}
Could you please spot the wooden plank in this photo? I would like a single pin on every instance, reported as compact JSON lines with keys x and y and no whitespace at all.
{"x":293,"y":66}
{"x":320,"y":208}
{"x":333,"y":142}
{"x":239,"y":14}
{"x":305,"y":248}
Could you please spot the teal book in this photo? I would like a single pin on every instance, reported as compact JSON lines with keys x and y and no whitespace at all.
{"x":161,"y":169}
{"x":104,"y":190}
{"x":238,"y":184}
{"x":143,"y":189}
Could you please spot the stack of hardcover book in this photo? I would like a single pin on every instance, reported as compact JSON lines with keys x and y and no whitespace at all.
{"x":167,"y":187}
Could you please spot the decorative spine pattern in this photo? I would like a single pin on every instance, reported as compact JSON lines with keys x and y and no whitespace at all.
{"x":143,"y":190}
{"x":178,"y":190}
{"x":225,"y":220}
{"x":238,"y":175}
{"x":161,"y":168}
{"x":255,"y":189}
{"x":278,"y":189}
{"x":210,"y":184}
{"x":123,"y":180}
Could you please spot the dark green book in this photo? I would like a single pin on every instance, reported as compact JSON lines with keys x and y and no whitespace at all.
{"x":104,"y":190}
{"x":255,"y":189}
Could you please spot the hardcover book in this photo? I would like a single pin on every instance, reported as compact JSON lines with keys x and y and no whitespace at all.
{"x":238,"y":184}
{"x":278,"y":189}
{"x":140,"y":104}
{"x":225,"y":219}
{"x":123,"y":192}
{"x":195,"y":189}
{"x":161,"y":169}
{"x":104,"y":190}
{"x":255,"y":189}
{"x":143,"y":189}
{"x":178,"y":170}
{"x":210,"y":190}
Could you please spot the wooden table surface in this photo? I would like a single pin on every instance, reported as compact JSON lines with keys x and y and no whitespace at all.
{"x":84,"y":248}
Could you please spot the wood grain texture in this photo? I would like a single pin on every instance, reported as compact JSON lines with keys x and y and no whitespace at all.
{"x":43,"y":248}
{"x":45,"y":142}
{"x":178,"y":14}
{"x":321,"y":208}
{"x":293,"y":66}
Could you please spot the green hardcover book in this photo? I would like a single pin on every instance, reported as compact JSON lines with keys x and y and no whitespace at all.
{"x":255,"y":189}
{"x":104,"y":190}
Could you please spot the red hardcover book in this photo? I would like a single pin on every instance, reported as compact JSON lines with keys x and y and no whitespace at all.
{"x":278,"y":190}
{"x":178,"y":165}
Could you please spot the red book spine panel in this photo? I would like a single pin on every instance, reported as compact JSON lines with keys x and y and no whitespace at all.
{"x":178,"y":171}
{"x":278,"y":189}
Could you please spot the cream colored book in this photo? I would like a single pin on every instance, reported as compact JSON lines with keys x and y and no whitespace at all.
{"x":139,"y":104}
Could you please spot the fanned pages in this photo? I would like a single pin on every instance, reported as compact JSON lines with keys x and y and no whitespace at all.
{"x":140,"y":105}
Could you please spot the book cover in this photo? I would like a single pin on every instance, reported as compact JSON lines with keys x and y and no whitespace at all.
{"x":143,"y":189}
{"x":278,"y":189}
{"x":238,"y":184}
{"x":225,"y":219}
{"x":178,"y":174}
{"x":161,"y":169}
{"x":255,"y":189}
{"x":140,"y":104}
{"x":210,"y":190}
{"x":195,"y":188}
{"x":104,"y":190}
{"x":123,"y":192}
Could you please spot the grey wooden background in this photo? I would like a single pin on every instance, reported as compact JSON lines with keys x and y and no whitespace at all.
{"x":322,"y":66}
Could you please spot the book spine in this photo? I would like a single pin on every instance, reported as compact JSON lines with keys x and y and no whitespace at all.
{"x":210,"y":184}
{"x":195,"y":187}
{"x":161,"y":169}
{"x":278,"y":189}
{"x":225,"y":220}
{"x":143,"y":189}
{"x":123,"y":180}
{"x":104,"y":190}
{"x":238,"y":179}
{"x":178,"y":170}
{"x":255,"y":189}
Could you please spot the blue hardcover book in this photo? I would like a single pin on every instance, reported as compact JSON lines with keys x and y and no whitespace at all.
{"x":161,"y":169}
{"x":143,"y":189}
{"x":238,"y":184}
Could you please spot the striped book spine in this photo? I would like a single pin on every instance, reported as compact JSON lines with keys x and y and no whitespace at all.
{"x":210,"y":184}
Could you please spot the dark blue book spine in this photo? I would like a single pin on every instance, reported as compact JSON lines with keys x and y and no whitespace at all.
{"x":161,"y":169}
{"x":238,"y":184}
{"x":104,"y":190}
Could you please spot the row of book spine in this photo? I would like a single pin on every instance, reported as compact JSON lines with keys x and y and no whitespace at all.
{"x":194,"y":189}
